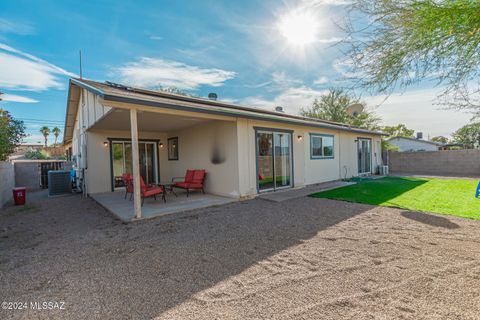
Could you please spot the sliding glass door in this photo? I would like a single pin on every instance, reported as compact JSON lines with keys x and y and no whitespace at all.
{"x":274,"y":160}
{"x":122,"y":161}
{"x":364,"y":156}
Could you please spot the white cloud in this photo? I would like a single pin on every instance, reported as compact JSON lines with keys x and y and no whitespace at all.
{"x":16,"y":98}
{"x":154,"y":37}
{"x":417,"y":109}
{"x":280,"y":79}
{"x":23,"y":71}
{"x":329,"y":40}
{"x":150,"y":72}
{"x":291,"y":99}
{"x":9,"y":26}
{"x":345,"y":67}
{"x":321,"y":80}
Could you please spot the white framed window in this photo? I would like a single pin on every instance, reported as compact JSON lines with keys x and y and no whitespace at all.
{"x":321,"y":146}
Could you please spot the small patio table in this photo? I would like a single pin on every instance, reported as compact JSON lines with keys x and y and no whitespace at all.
{"x":168,"y":186}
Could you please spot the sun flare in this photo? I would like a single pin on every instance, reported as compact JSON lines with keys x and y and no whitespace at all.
{"x":299,"y":28}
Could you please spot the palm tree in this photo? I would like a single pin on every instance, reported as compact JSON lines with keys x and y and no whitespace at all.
{"x":45,"y":131}
{"x":56,"y":132}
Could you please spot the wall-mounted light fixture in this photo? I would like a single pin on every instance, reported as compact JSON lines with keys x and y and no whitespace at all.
{"x":299,"y":138}
{"x":160,"y":144}
{"x":105,"y":144}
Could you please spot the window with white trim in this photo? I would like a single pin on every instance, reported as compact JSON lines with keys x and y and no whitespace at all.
{"x":321,"y":146}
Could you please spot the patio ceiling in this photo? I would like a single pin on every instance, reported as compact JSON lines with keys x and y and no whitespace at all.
{"x":119,"y":119}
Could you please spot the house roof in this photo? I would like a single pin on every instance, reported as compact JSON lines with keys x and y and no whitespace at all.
{"x":113,"y":92}
{"x":417,"y":140}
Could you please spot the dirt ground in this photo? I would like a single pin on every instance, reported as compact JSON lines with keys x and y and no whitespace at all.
{"x":302,"y":259}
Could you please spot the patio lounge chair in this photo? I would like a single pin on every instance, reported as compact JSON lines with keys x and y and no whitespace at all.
{"x":193,"y":180}
{"x":128,"y":183}
{"x":151,"y":191}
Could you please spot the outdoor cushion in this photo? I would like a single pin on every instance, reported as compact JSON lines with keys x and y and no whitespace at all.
{"x":181,"y":184}
{"x":186,"y":185}
{"x":198,"y":176}
{"x":189,"y":175}
{"x":195,"y":185}
{"x":152,"y":191}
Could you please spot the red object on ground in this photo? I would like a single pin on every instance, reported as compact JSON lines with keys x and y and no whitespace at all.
{"x":151,"y":191}
{"x":194,"y":179}
{"x":19,"y":195}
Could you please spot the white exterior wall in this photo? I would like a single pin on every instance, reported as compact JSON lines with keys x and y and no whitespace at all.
{"x":89,"y":112}
{"x":197,"y":145}
{"x":211,"y":146}
{"x":98,"y":171}
{"x":412,"y":145}
{"x":306,"y":170}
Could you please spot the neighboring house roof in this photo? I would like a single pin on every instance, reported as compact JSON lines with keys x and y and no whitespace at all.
{"x":120,"y":93}
{"x":417,"y":140}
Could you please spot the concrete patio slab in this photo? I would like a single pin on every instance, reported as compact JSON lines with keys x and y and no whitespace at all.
{"x":123,"y":208}
{"x":289,"y":194}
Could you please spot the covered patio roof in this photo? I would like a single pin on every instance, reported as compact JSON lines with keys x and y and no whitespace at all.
{"x":119,"y":119}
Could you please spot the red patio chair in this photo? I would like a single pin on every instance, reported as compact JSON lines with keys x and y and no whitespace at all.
{"x":128,"y":183}
{"x":151,"y":191}
{"x":193,"y":180}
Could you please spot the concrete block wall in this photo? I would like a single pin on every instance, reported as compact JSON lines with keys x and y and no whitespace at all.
{"x":27,"y":175}
{"x":445,"y":162}
{"x":7,"y":178}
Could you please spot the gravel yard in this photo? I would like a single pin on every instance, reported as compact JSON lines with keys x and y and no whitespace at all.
{"x":305,"y":258}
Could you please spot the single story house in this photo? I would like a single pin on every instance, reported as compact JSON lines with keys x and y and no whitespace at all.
{"x":111,"y":129}
{"x":411,"y":144}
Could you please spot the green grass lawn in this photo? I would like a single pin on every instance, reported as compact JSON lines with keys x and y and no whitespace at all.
{"x":445,"y":196}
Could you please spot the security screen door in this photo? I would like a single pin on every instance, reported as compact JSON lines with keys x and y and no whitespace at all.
{"x":274,"y":160}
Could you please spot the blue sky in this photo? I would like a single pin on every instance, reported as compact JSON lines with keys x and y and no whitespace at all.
{"x":238,"y":49}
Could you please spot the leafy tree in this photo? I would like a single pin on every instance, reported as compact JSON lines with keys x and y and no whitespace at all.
{"x":333,"y":105}
{"x":468,"y":135}
{"x":400,"y":130}
{"x":56,"y":132}
{"x":440,"y":139}
{"x":12,"y":132}
{"x":45,"y":131}
{"x":37,"y":155}
{"x":394,"y":44}
{"x":386,"y":145}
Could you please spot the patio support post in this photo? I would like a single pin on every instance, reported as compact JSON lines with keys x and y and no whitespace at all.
{"x":137,"y":201}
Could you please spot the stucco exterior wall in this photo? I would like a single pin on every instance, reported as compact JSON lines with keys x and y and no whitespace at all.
{"x":198,"y":146}
{"x":211,"y":146}
{"x":98,"y":172}
{"x":306,"y":170}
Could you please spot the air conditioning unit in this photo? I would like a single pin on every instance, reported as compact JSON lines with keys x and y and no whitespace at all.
{"x":383,"y":170}
{"x":59,"y":182}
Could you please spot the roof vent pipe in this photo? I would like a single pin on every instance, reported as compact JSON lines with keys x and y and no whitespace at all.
{"x":212,"y":96}
{"x":279,"y":109}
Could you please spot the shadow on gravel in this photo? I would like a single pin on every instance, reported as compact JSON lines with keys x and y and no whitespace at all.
{"x":430,"y":219}
{"x":153,"y":265}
